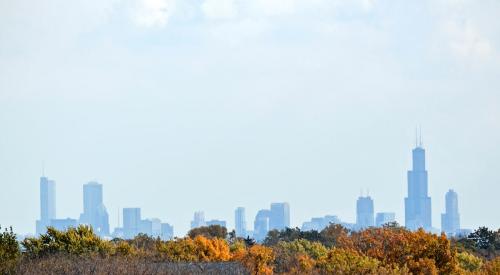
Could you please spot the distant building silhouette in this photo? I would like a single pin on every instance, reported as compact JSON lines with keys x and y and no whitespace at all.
{"x":320,"y":223}
{"x":279,"y":217}
{"x":450,"y":220}
{"x":418,"y":203}
{"x":261,"y":225}
{"x":216,"y":222}
{"x":364,"y":212}
{"x":47,"y":204}
{"x":63,"y":224}
{"x":167,"y":232}
{"x":131,"y":222}
{"x":198,"y":219}
{"x":94,"y":211}
{"x":384,"y":218}
{"x":240,"y":224}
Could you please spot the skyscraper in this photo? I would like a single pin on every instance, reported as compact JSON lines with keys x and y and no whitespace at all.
{"x":216,"y":222}
{"x":279,"y":217}
{"x":94,"y":211}
{"x":384,"y":218}
{"x":418,"y":203}
{"x":261,"y":224}
{"x":240,"y":224}
{"x":47,"y":204}
{"x":198,"y":219}
{"x":131,"y":222}
{"x":364,"y":212}
{"x":450,"y":220}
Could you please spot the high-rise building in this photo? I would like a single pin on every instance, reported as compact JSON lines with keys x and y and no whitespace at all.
{"x":63,"y":224}
{"x":240,"y":224}
{"x":279,"y":217}
{"x":364,"y":212}
{"x":418,"y":203}
{"x":167,"y":231}
{"x":94,"y":211}
{"x":216,"y":222}
{"x":198,"y":219}
{"x":131,"y":222}
{"x":261,"y":225}
{"x":384,"y":218}
{"x":319,"y":223}
{"x":47,"y":204}
{"x":450,"y":220}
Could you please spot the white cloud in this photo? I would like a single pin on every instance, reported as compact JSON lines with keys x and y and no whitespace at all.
{"x":466,"y":41}
{"x":153,"y":13}
{"x":219,"y":9}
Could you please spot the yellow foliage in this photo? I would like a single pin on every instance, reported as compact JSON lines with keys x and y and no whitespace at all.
{"x":199,"y":249}
{"x":259,"y":259}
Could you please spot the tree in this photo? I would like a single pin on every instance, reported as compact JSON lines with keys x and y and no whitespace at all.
{"x":9,"y":251}
{"x":483,"y":238}
{"x":212,"y":231}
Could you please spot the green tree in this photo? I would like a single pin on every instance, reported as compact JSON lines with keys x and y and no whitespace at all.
{"x":9,"y":251}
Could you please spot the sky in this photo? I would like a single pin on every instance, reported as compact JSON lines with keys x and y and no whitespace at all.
{"x":184,"y":105}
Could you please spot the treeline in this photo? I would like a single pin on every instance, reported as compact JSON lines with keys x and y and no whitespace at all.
{"x":335,"y":250}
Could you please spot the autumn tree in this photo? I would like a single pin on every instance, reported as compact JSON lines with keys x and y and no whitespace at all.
{"x":212,"y":231}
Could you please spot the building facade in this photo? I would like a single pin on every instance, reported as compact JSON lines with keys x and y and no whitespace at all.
{"x":279,"y":216}
{"x":450,"y":220}
{"x":47,"y":204}
{"x":418,"y":203}
{"x":131,"y":222}
{"x":240,"y":225}
{"x":364,"y":212}
{"x":198,"y":219}
{"x":94,"y":211}
{"x":384,"y":218}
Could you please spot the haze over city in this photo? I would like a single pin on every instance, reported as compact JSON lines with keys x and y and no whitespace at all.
{"x":182,"y":106}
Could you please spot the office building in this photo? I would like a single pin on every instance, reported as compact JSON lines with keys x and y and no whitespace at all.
{"x":450,"y":220}
{"x":418,"y":203}
{"x":167,"y":232}
{"x":198,"y":219}
{"x":63,"y":224}
{"x":47,"y":204}
{"x":240,"y":225}
{"x":216,"y":222}
{"x":94,"y":211}
{"x":131,"y":222}
{"x":261,"y":225}
{"x":385,"y":218}
{"x":364,"y":212}
{"x":279,"y":217}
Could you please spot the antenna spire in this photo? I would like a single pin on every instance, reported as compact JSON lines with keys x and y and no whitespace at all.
{"x":420,"y":137}
{"x":43,"y":168}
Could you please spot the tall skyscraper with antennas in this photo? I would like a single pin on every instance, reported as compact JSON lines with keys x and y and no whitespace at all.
{"x":418,"y":203}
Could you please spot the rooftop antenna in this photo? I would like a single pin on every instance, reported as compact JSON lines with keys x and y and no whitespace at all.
{"x":421,"y":143}
{"x":43,"y":168}
{"x":416,"y":136}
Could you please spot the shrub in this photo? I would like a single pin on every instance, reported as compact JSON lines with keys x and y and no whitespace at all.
{"x":74,"y":241}
{"x":9,"y":251}
{"x":197,"y":249}
{"x":469,"y":262}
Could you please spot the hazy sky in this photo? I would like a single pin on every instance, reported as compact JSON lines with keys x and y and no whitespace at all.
{"x":184,"y":105}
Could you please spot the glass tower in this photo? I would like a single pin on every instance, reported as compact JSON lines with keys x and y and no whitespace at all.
{"x":418,"y":202}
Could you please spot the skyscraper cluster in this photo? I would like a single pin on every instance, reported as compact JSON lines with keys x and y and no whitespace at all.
{"x":418,"y":212}
{"x":95,"y":215}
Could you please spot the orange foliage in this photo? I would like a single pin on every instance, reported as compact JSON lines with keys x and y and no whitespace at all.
{"x":258,"y":259}
{"x":419,"y":251}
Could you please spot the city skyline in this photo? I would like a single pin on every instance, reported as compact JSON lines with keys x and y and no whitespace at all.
{"x":244,"y":103}
{"x":277,"y":217}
